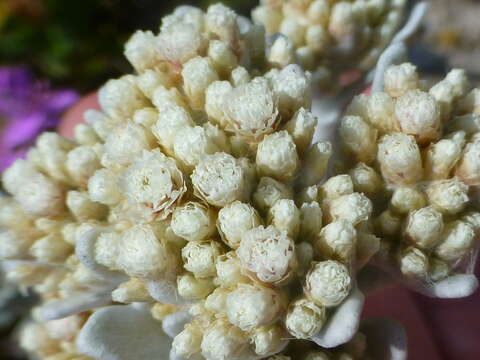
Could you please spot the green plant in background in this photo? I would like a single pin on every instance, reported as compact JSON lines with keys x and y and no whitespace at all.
{"x":79,"y":43}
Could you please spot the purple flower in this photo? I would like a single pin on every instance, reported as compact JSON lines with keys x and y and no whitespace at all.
{"x":27,"y":108}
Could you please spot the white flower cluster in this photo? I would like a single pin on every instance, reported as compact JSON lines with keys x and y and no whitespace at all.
{"x":54,"y":339}
{"x":415,"y":151}
{"x":329,"y":36}
{"x":194,"y":187}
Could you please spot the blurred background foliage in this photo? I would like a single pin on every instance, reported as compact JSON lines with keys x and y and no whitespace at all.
{"x":79,"y":43}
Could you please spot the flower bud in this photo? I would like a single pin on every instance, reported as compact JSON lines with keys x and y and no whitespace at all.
{"x":40,"y":196}
{"x":234,"y":220}
{"x":381,"y":112}
{"x":229,"y":270}
{"x":413,"y":263}
{"x":191,"y":144}
{"x":239,"y":76}
{"x":337,"y":240}
{"x":353,"y":207}
{"x":468,"y":169}
{"x":250,"y":306}
{"x":146,"y":117}
{"x":268,"y":253}
{"x":441,"y":157}
{"x":119,"y":98}
{"x":358,"y":138}
{"x":438,"y":270}
{"x":107,"y":249}
{"x":328,"y":283}
{"x":124,"y":143}
{"x":285,"y":216}
{"x":83,"y":208}
{"x":292,"y":88}
{"x":310,"y":221}
{"x":367,"y":246}
{"x":448,"y":196}
{"x":293,"y":30}
{"x":268,"y":192}
{"x":219,"y":179}
{"x":269,"y":340}
{"x":14,"y":245}
{"x":304,"y":318}
{"x":418,"y":115}
{"x":188,"y":342}
{"x":193,"y":221}
{"x":250,"y":109}
{"x":399,"y":158}
{"x":277,"y":156}
{"x":223,"y":58}
{"x":81,"y":163}
{"x":301,"y":128}
{"x":199,"y":257}
{"x":282,"y":52}
{"x":141,"y":50}
{"x":216,"y":302}
{"x":457,"y":239}
{"x":215,"y":100}
{"x":85,"y":134}
{"x":424,"y":227}
{"x":180,"y":42}
{"x":401,"y":78}
{"x":141,"y":254}
{"x":221,"y":21}
{"x":316,"y":162}
{"x":192,"y":288}
{"x":154,"y":180}
{"x":365,"y":180}
{"x":130,"y":291}
{"x":225,"y":341}
{"x":103,"y":187}
{"x":197,"y":74}
{"x":471,"y":103}
{"x":388,"y":223}
{"x":172,"y":118}
{"x":51,"y":249}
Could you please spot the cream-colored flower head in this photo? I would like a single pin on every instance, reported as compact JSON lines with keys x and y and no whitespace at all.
{"x":304,"y":318}
{"x":424,"y":227}
{"x":155,"y":181}
{"x":268,"y":253}
{"x":199,"y":257}
{"x":250,"y":110}
{"x":285,"y":216}
{"x":234,"y":220}
{"x":219,"y":179}
{"x":399,"y":158}
{"x":250,"y":306}
{"x":328,"y":283}
{"x":269,"y":191}
{"x":142,"y":254}
{"x":337,"y":240}
{"x":225,"y":341}
{"x":413,"y":262}
{"x":120,"y":98}
{"x":277,"y":156}
{"x":193,"y":221}
{"x":269,"y":339}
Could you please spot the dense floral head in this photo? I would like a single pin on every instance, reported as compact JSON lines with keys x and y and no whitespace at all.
{"x":423,"y":144}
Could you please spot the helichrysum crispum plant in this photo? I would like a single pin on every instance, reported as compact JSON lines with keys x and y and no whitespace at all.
{"x":195,"y":192}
